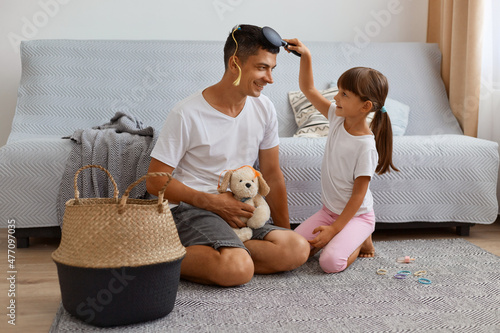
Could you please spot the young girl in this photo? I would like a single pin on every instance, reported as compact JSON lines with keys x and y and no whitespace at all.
{"x":354,"y":151}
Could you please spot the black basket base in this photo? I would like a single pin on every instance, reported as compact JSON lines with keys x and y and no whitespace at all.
{"x":119,"y":296}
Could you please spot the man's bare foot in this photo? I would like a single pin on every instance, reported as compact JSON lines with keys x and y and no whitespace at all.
{"x":367,"y":249}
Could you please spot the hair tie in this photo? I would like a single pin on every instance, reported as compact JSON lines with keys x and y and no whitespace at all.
{"x":383,"y":109}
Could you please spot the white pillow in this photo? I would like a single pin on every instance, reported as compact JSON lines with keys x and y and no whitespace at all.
{"x":398,"y":113}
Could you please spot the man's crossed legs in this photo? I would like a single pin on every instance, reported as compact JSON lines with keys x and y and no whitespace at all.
{"x":215,"y":255}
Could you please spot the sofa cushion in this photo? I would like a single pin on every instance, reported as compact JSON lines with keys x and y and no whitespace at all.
{"x":310,"y":122}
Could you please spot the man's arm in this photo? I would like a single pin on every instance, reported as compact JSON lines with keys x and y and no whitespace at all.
{"x":277,"y":198}
{"x":223,"y":205}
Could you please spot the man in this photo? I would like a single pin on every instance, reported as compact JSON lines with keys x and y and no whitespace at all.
{"x":227,"y":125}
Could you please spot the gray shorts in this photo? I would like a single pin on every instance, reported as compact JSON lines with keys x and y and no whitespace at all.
{"x":201,"y":227}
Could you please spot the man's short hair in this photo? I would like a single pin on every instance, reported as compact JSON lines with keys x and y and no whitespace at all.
{"x":250,"y":39}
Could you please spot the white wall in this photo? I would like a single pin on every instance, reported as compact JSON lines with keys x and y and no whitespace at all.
{"x":358,"y":21}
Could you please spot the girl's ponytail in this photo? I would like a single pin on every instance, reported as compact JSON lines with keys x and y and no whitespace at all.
{"x":382,"y":129}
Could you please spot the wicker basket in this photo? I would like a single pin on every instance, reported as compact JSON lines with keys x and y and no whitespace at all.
{"x":119,"y":259}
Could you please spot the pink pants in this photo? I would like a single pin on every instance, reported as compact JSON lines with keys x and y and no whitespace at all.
{"x":334,"y":256}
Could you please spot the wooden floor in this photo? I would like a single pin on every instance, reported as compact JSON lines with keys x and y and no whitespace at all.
{"x":37,"y":289}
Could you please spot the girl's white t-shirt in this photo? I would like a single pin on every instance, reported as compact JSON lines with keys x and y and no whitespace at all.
{"x":201,"y":142}
{"x":346,"y":158}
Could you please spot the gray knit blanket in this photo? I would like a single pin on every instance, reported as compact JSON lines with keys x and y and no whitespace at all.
{"x":122,"y":146}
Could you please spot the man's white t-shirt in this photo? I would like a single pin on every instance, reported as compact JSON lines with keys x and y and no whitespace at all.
{"x":346,"y":158}
{"x":201,"y":142}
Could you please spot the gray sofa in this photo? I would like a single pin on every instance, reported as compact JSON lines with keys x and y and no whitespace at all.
{"x":446,"y":178}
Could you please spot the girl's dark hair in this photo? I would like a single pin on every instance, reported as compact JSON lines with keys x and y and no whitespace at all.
{"x":371,"y":85}
{"x":250,"y":40}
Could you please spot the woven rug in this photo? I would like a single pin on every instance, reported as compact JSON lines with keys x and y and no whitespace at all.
{"x":463,"y":296}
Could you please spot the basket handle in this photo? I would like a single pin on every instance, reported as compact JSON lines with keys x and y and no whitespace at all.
{"x":123,"y":200}
{"x":77,"y":194}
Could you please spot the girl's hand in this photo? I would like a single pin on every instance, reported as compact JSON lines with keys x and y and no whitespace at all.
{"x":326,"y":233}
{"x":296,"y":45}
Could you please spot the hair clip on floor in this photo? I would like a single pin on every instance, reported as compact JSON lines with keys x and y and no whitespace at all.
{"x":405,"y":260}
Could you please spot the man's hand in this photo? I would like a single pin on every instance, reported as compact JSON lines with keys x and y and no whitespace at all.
{"x":230,"y":209}
{"x":224,"y":205}
{"x":326,"y":233}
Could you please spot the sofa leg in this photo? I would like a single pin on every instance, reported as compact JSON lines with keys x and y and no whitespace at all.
{"x":23,"y":234}
{"x":22,"y":242}
{"x":463,"y":230}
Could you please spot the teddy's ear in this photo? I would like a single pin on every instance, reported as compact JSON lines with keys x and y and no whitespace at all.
{"x":263,"y":187}
{"x":225,"y":182}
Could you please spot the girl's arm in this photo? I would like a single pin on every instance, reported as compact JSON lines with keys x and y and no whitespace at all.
{"x":306,"y":80}
{"x":326,"y":233}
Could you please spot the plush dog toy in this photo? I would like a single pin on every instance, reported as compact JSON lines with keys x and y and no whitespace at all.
{"x":248,"y":186}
